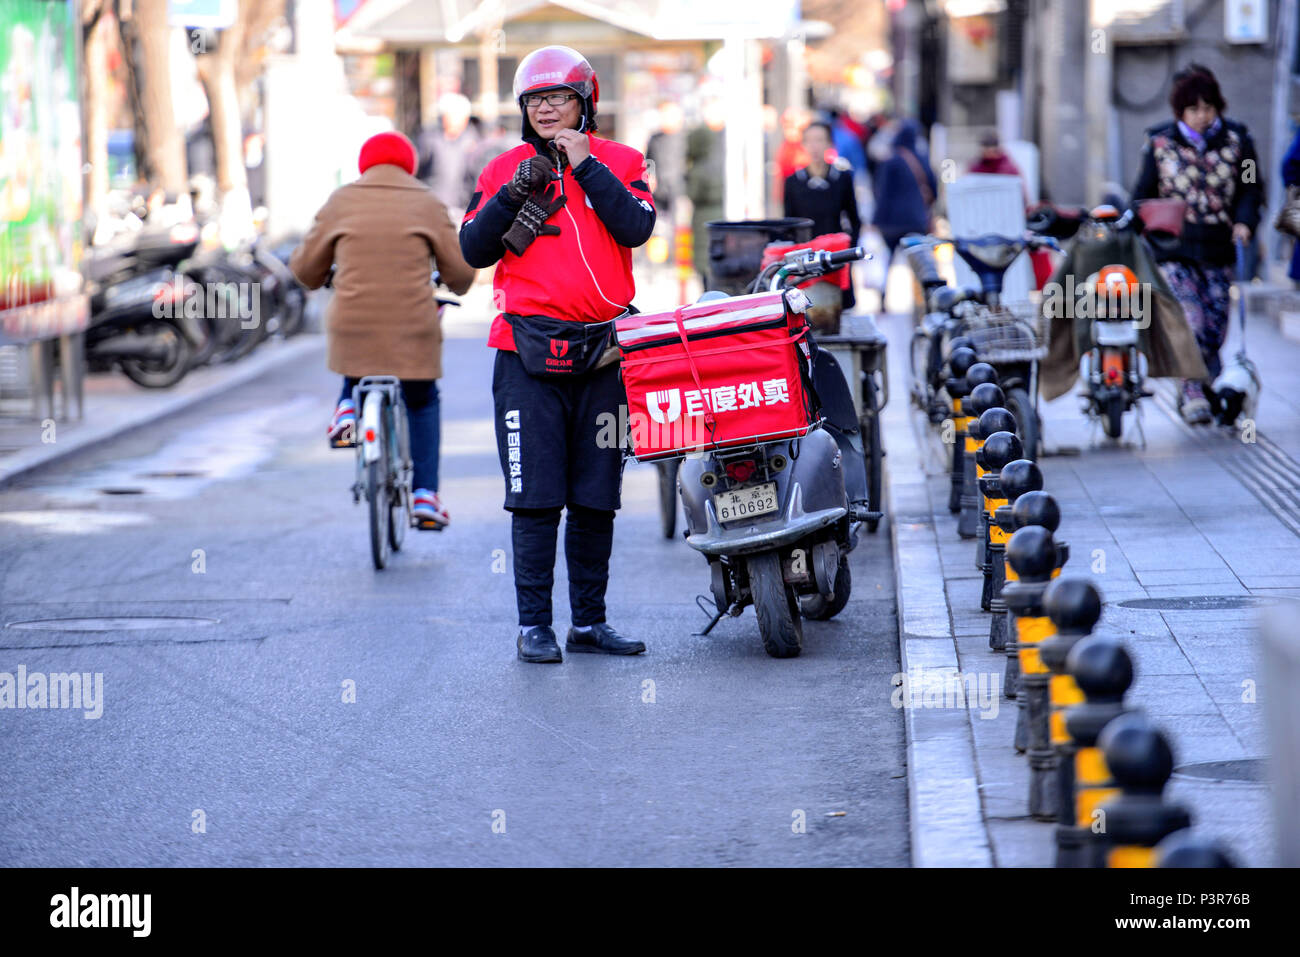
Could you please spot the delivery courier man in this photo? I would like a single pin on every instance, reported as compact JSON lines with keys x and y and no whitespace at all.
{"x":559,"y":215}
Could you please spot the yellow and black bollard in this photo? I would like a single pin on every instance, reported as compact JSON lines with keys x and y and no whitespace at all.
{"x":1140,"y":762}
{"x":1000,"y":446}
{"x":1185,"y":849}
{"x":961,"y":359}
{"x":1074,"y":606}
{"x":1032,"y":553}
{"x":1039,"y":508}
{"x":1034,"y":508}
{"x":1016,"y":479}
{"x":1103,"y":671}
{"x":985,"y":400}
{"x":977,"y":401}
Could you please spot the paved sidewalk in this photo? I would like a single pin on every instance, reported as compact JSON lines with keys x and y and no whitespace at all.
{"x":114,"y":405}
{"x":1197,"y":513}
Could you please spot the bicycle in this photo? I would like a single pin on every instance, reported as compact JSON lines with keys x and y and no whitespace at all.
{"x":385,"y":469}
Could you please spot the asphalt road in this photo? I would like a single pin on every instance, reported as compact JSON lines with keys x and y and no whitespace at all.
{"x":225,"y":738}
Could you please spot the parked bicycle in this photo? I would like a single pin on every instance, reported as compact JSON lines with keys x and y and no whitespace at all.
{"x":1011,"y":338}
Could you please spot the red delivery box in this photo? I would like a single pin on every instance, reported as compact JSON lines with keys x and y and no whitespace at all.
{"x":715,"y":374}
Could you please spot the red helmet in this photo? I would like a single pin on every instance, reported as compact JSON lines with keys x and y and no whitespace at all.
{"x":556,"y":66}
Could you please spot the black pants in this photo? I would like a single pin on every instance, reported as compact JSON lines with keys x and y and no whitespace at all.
{"x":559,"y":444}
{"x":588,"y":541}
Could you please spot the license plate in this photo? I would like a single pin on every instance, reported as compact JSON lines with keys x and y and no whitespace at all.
{"x":746,"y":502}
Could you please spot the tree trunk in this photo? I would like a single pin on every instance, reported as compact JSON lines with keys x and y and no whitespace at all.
{"x":95,"y":47}
{"x":164,"y":147}
{"x":217,"y":73}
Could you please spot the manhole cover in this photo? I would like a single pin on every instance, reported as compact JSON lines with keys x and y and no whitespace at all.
{"x":119,"y":490}
{"x":1198,"y":602}
{"x":1244,"y":769}
{"x":122,"y":623}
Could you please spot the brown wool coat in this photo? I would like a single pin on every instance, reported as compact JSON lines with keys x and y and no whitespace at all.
{"x":386,"y":232}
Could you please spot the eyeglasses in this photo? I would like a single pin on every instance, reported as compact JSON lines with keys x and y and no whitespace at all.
{"x":554,"y":99}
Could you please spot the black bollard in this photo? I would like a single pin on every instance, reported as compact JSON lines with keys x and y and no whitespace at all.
{"x":979,"y":374}
{"x":1000,"y":447}
{"x":1140,"y":761}
{"x":961,"y":359}
{"x":1103,"y":671}
{"x":1074,"y":606}
{"x":1016,"y":479}
{"x":1032,"y":553}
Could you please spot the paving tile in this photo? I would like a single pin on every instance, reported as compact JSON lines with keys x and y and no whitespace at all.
{"x":1022,"y":843}
{"x":1187,"y":576}
{"x":1170,"y":694}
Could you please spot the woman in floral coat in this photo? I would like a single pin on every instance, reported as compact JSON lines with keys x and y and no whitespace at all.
{"x":1209,"y":161}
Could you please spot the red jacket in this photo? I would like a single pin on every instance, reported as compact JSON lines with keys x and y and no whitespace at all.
{"x":584,"y":274}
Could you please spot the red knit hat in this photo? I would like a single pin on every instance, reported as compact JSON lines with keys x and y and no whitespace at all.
{"x":390,"y":147}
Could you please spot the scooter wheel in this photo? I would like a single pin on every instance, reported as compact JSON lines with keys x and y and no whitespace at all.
{"x":776,"y":605}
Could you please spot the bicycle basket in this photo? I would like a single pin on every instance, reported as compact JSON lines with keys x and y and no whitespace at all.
{"x":1007,"y":334}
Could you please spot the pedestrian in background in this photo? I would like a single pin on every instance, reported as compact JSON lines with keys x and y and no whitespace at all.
{"x":666,"y":151}
{"x":791,"y":154}
{"x":823,"y":192}
{"x":1209,"y":162}
{"x":445,"y":150}
{"x":706,"y":154}
{"x":992,"y":158}
{"x":903,"y":183}
{"x":1291,"y":177}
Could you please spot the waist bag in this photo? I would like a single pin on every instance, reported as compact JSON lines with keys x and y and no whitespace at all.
{"x":549,"y":347}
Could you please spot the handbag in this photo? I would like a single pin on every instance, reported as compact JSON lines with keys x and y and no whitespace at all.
{"x":1288,"y":217}
{"x":550,"y":347}
{"x":1162,"y":215}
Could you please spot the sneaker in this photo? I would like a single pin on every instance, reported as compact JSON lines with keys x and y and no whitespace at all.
{"x":428,"y":511}
{"x":1196,"y":411}
{"x":538,"y":645}
{"x":343,"y":427}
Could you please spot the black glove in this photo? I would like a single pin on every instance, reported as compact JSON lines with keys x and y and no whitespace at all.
{"x":530,"y":177}
{"x":531,"y":221}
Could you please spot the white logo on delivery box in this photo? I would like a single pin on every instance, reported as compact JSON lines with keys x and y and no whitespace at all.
{"x":665,"y":405}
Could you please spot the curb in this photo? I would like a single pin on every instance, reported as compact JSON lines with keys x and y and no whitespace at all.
{"x":269,"y":356}
{"x":946,"y":815}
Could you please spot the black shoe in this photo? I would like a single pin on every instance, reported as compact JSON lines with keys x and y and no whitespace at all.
{"x":601,"y":639}
{"x":538,"y":644}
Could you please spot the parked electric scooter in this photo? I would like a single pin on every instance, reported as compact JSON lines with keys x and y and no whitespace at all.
{"x":776,"y":520}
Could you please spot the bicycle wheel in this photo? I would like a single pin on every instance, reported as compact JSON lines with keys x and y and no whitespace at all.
{"x":377,"y":494}
{"x":1021,"y":406}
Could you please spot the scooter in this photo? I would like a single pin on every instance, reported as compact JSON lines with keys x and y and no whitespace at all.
{"x":137,"y":302}
{"x":1114,"y":369}
{"x":777,"y":520}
